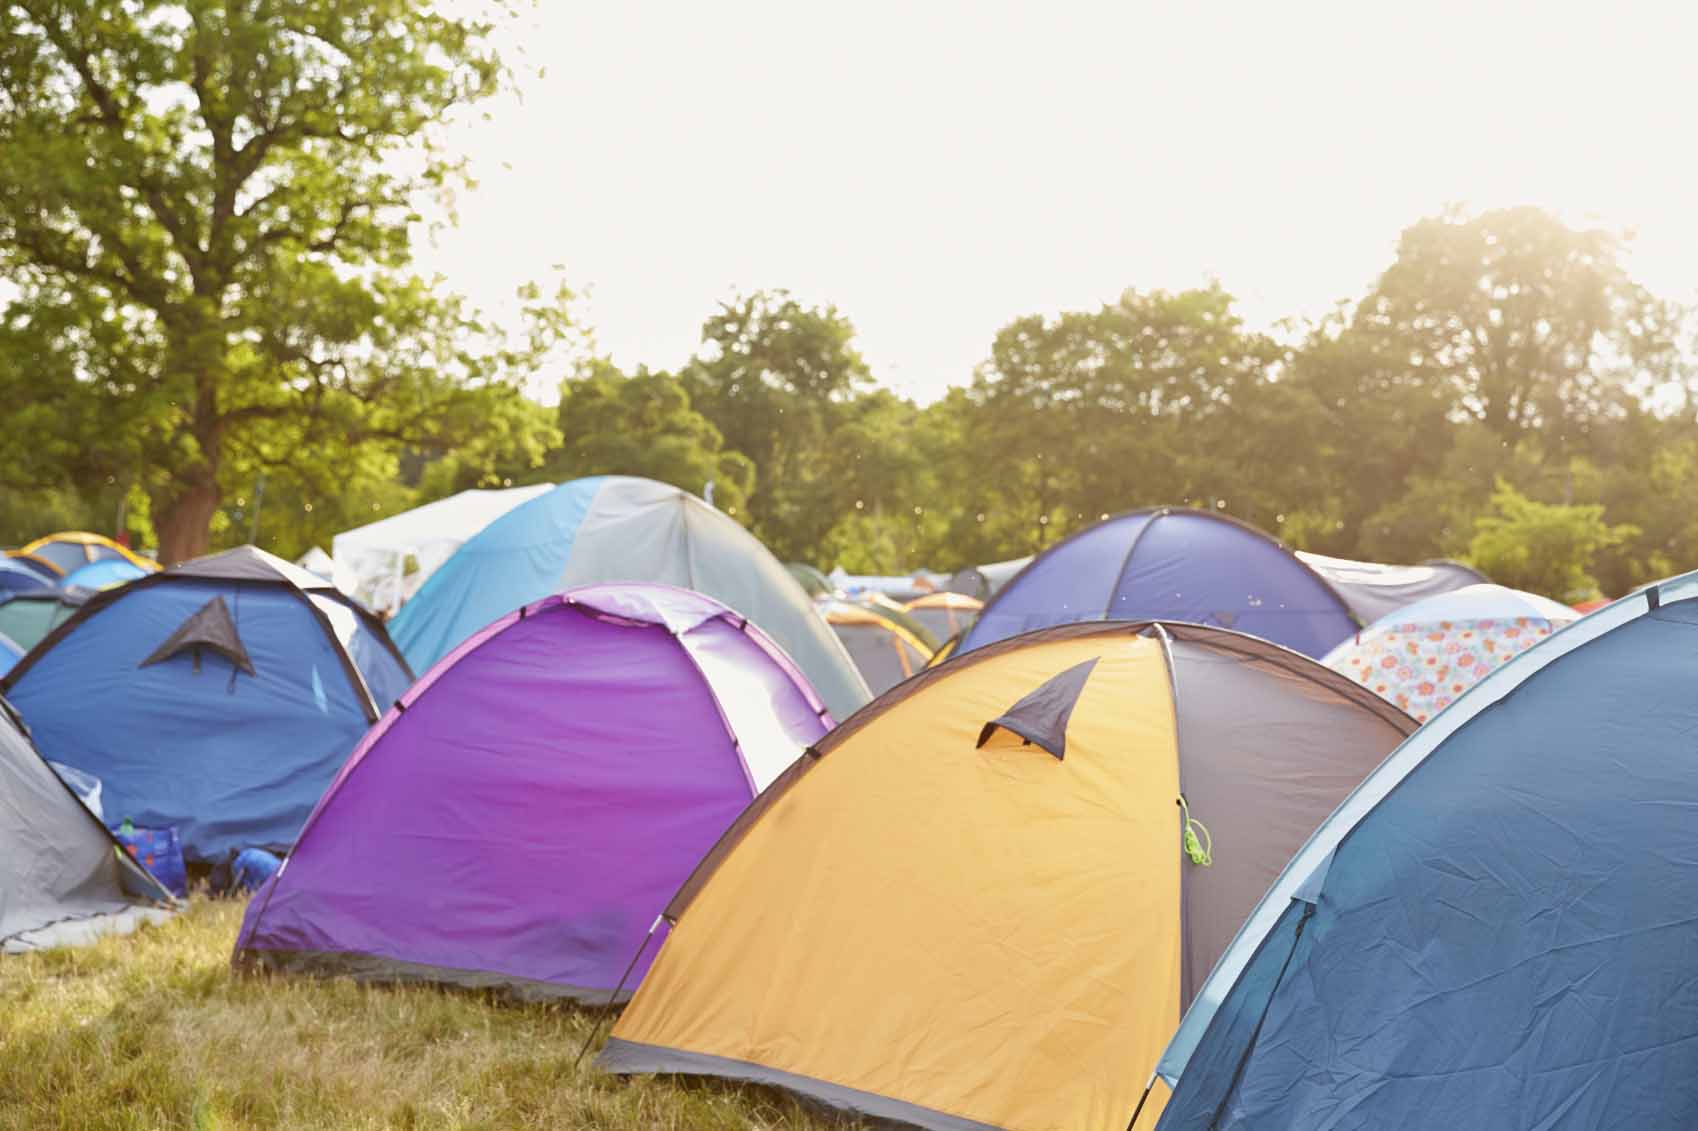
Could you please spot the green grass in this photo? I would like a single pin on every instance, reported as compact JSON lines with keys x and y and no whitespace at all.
{"x":154,"y":1031}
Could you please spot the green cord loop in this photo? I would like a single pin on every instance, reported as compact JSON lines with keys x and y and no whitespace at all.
{"x":1199,"y":848}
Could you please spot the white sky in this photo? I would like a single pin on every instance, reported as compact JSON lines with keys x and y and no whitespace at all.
{"x":937,"y":169}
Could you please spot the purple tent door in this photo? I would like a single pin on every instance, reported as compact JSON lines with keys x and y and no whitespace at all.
{"x":522,"y":815}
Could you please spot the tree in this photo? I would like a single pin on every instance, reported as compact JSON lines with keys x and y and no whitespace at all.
{"x":1546,"y":548}
{"x":1524,"y":322}
{"x":1144,"y":401}
{"x":205,"y":208}
{"x":774,"y":376}
{"x":643,"y":425}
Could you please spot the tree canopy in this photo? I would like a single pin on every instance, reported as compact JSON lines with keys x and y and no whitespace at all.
{"x":211,"y":325}
{"x":205,"y":213}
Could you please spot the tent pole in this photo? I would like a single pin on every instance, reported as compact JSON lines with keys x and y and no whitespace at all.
{"x":614,"y":996}
{"x":1139,"y":1110}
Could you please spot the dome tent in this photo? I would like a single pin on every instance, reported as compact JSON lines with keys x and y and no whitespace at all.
{"x":1373,"y":590}
{"x":71,"y":549}
{"x":28,"y":617}
{"x":1496,"y":929}
{"x":1423,"y":656}
{"x":219,"y":696}
{"x":104,"y":574}
{"x":974,"y":907}
{"x":1171,"y":564}
{"x":63,"y":879}
{"x":884,"y":651}
{"x":527,"y":808}
{"x":23,"y":575}
{"x":621,"y":528}
{"x":945,"y":614}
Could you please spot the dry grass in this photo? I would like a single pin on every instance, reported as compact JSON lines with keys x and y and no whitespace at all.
{"x":154,"y":1031}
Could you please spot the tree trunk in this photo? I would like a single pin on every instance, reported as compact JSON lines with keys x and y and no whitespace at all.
{"x":185,"y":527}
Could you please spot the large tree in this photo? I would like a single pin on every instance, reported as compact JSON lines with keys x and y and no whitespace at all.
{"x":776,"y":376}
{"x":643,"y":424}
{"x":204,"y":212}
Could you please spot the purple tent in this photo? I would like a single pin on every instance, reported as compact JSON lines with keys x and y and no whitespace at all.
{"x":523,"y":813}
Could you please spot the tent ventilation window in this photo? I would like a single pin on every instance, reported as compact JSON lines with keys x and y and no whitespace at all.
{"x":1040,"y":718}
{"x":210,"y":628}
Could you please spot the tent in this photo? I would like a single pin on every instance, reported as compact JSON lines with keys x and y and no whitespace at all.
{"x":899,"y":587}
{"x":982,"y":581}
{"x":383,"y":563}
{"x":28,"y":617}
{"x":813,"y":582}
{"x":69,"y":549}
{"x":104,"y":574}
{"x":317,"y":561}
{"x":219,"y":696}
{"x":1497,"y":928}
{"x":10,"y":653}
{"x":1171,"y":564}
{"x":884,"y":651}
{"x":1373,"y":590}
{"x":526,"y":810}
{"x":973,"y":906}
{"x":24,"y":575}
{"x":1423,"y":656}
{"x":945,"y":614}
{"x":620,"y":528}
{"x":63,"y":879}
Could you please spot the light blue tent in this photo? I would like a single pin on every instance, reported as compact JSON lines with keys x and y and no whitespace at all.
{"x":220,"y":696}
{"x":1171,"y":564}
{"x":10,"y":653}
{"x":103,"y":574}
{"x":621,"y":528}
{"x":20,"y":575}
{"x":1499,"y":928}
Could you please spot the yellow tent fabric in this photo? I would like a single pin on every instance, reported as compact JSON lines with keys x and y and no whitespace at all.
{"x":85,"y":542}
{"x":972,"y":905}
{"x":1038,"y":908}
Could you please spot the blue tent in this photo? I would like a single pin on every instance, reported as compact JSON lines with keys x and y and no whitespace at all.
{"x":20,"y":575}
{"x":220,"y":696}
{"x":103,"y":574}
{"x":622,"y":528}
{"x":1499,"y":928}
{"x":1171,"y":564}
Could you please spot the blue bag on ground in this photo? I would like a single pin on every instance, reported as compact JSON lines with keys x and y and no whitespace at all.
{"x":159,"y":851}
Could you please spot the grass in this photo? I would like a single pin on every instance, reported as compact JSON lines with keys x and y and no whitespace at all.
{"x":154,"y":1031}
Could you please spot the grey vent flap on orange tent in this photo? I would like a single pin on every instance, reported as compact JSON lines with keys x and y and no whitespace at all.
{"x":209,"y":628}
{"x":1040,"y":717}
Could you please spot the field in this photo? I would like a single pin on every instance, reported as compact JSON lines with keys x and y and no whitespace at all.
{"x":154,"y":1031}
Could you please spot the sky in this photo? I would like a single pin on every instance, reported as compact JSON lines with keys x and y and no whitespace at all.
{"x":937,"y":169}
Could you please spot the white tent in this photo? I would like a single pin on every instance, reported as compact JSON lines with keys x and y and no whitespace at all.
{"x":383,"y":563}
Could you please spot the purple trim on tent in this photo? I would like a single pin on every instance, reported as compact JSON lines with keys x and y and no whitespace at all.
{"x":523,"y":813}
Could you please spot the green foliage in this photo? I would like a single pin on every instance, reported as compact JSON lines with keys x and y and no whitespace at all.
{"x":1542,"y":547}
{"x":219,"y":283}
{"x":643,"y":425}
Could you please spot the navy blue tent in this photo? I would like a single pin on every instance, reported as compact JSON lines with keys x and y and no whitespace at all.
{"x":1171,"y":564}
{"x":220,"y":696}
{"x":20,"y":575}
{"x":1499,"y":928}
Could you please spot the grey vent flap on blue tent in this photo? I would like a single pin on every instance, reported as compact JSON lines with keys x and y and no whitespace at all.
{"x":210,"y":627}
{"x":1040,"y":717}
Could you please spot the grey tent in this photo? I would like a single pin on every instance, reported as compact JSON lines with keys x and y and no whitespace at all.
{"x":63,"y":879}
{"x":982,"y":581}
{"x":1372,"y":590}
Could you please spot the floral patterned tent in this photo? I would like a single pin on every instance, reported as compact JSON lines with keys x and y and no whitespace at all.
{"x":1425,"y":655}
